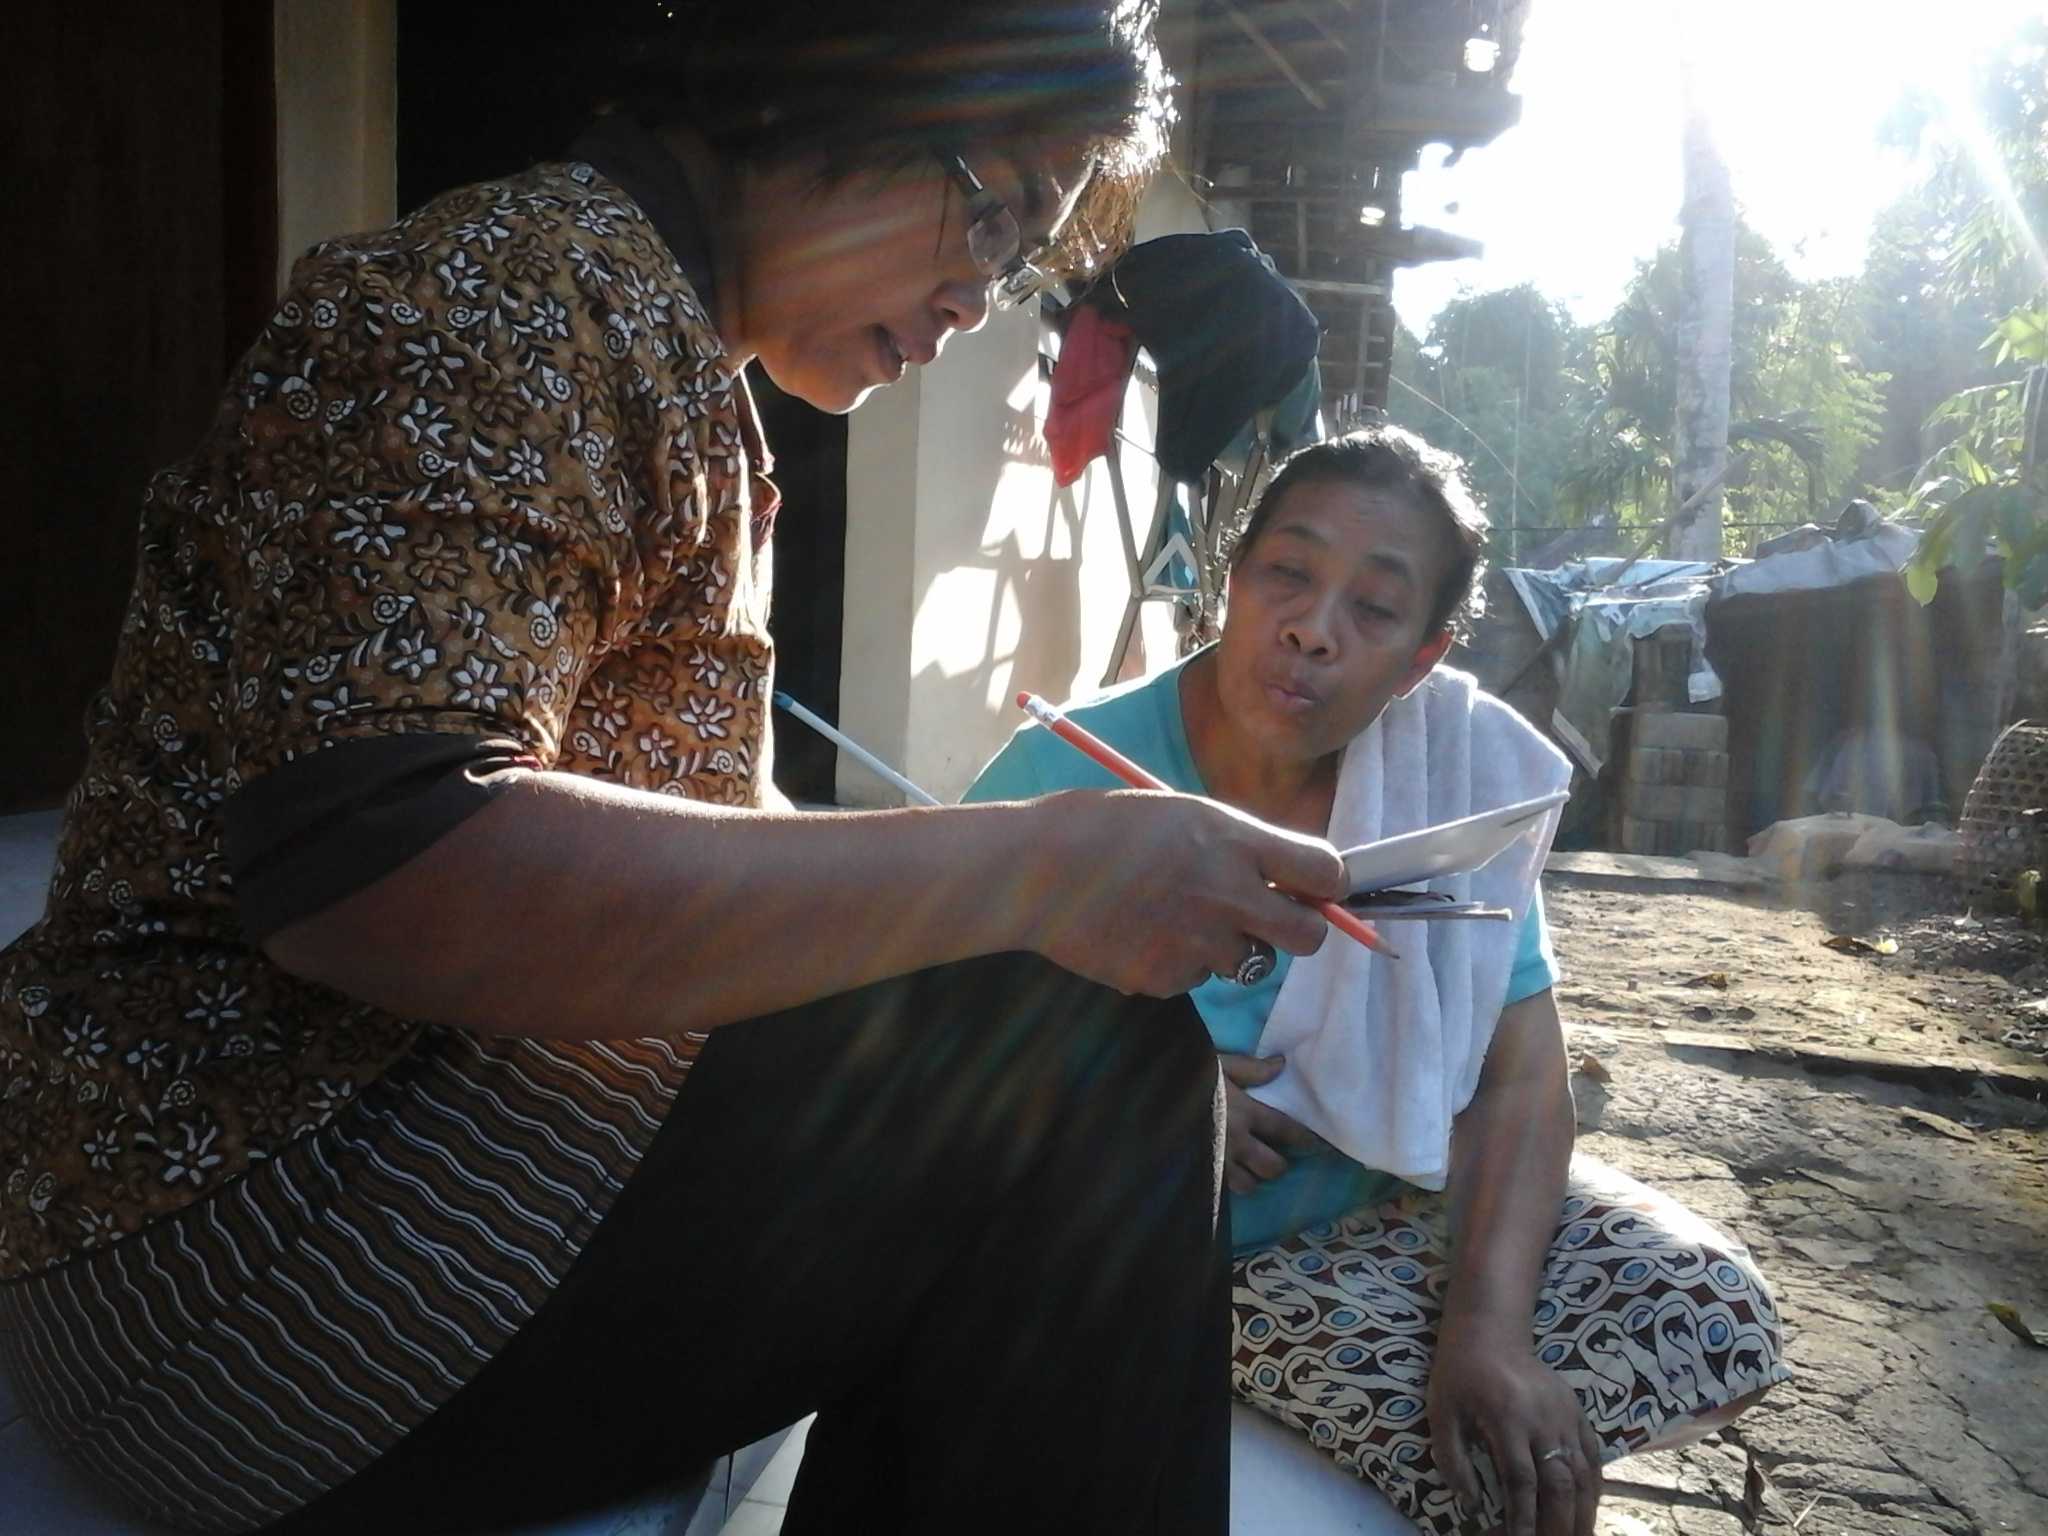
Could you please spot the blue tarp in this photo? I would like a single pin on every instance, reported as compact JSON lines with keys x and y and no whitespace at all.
{"x":1606,"y":620}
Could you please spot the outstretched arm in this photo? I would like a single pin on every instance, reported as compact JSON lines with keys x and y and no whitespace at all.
{"x":1510,"y":1151}
{"x":578,"y":909}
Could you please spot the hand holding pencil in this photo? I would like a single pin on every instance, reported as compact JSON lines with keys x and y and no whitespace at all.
{"x":1138,"y":777}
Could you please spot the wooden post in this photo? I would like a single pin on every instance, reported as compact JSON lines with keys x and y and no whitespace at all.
{"x":2008,"y":677}
{"x":2033,"y":450}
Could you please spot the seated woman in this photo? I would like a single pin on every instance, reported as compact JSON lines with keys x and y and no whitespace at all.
{"x":1480,"y":1351}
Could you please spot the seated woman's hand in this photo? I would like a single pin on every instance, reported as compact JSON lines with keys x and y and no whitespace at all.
{"x":1154,"y":893}
{"x":1488,"y":1390}
{"x":1255,"y":1133}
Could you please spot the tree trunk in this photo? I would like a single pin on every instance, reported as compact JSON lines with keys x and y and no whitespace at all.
{"x":1706,"y":311}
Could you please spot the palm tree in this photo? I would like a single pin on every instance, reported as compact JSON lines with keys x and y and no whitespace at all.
{"x":1627,"y":456}
{"x":1706,"y":309}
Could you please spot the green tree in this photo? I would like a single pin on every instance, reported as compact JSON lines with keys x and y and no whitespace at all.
{"x":1802,"y":406}
{"x":1924,"y":337}
{"x":1515,"y":331}
{"x":1492,"y":383}
{"x":1986,"y":484}
{"x":1705,"y":336}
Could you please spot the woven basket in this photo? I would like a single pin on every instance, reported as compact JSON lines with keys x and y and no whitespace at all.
{"x":2005,"y":818}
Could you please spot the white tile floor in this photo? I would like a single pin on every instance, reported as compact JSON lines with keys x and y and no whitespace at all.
{"x":28,"y":850}
{"x":1280,"y":1486}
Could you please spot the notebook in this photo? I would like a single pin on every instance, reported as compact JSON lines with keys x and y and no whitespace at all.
{"x":1384,"y":875}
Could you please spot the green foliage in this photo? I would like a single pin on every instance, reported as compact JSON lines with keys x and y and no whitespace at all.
{"x":1515,"y":332}
{"x":1804,"y":408}
{"x":2021,"y":336}
{"x":1994,"y":496}
{"x":1917,"y":331}
{"x":1907,"y":384}
{"x":1985,"y":487}
{"x":1560,"y":424}
{"x":1491,"y":384}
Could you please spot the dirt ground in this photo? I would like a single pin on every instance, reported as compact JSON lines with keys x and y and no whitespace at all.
{"x":1872,"y":1125}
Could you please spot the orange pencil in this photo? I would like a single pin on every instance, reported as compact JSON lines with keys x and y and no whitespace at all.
{"x":1139,"y":777}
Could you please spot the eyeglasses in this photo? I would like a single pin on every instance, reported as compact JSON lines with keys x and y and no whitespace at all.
{"x":995,"y":240}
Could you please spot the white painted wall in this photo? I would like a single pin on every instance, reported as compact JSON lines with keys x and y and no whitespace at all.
{"x":337,"y":121}
{"x":969,"y":576}
{"x":881,"y":540}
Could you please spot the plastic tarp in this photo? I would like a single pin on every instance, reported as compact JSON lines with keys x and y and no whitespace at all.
{"x":1606,"y":621}
{"x":1837,"y":563}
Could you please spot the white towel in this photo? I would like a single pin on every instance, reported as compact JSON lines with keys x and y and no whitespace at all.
{"x":1382,"y":1053}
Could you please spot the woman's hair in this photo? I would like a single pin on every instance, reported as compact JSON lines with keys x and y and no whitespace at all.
{"x":875,"y":87}
{"x":1395,"y":461}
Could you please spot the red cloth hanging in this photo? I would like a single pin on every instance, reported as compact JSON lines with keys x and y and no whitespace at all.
{"x":1087,"y":391}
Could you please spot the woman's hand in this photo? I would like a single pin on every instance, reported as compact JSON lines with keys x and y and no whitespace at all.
{"x":1255,"y":1132}
{"x":674,"y":914}
{"x":1153,"y":893}
{"x":1488,"y":1390}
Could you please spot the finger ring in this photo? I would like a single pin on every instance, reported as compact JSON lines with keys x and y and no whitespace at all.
{"x":1554,"y":1453}
{"x":1256,"y":966}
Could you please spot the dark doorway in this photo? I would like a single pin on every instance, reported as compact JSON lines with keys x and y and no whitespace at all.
{"x":480,"y":94}
{"x":810,"y":581}
{"x":142,"y":169}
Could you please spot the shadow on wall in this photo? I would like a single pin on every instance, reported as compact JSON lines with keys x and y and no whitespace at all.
{"x":1024,"y":440}
{"x":988,"y":577}
{"x":1033,"y":627}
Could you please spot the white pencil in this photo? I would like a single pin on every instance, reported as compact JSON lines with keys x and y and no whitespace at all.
{"x":855,"y":750}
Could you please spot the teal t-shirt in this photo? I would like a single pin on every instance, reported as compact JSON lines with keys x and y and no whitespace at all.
{"x":1143,"y":721}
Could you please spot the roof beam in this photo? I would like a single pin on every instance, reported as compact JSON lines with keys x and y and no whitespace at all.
{"x":1301,"y":9}
{"x":1275,"y":192}
{"x":1278,"y":59}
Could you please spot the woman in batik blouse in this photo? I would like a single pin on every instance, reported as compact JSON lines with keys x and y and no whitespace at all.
{"x":449,"y":1089}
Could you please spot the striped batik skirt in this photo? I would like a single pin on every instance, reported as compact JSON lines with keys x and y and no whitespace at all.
{"x":231,"y":1363}
{"x":1658,"y":1322}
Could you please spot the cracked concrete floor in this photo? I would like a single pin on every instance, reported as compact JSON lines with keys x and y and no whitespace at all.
{"x":1885,"y":1214}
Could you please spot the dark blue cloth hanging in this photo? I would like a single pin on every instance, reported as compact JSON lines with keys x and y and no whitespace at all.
{"x":1226,"y":334}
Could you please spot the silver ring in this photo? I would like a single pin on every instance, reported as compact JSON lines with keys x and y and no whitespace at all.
{"x":1256,"y":966}
{"x":1554,"y":1453}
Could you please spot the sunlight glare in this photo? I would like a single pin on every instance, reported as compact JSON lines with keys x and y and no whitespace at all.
{"x":1961,"y":120}
{"x":1588,"y":183}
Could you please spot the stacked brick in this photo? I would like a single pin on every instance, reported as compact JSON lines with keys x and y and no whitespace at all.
{"x":1671,"y":772}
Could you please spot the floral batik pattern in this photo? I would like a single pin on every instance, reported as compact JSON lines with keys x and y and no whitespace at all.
{"x":1652,"y":1316}
{"x":486,"y":473}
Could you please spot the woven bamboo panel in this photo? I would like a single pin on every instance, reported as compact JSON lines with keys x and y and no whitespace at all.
{"x":2005,"y":818}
